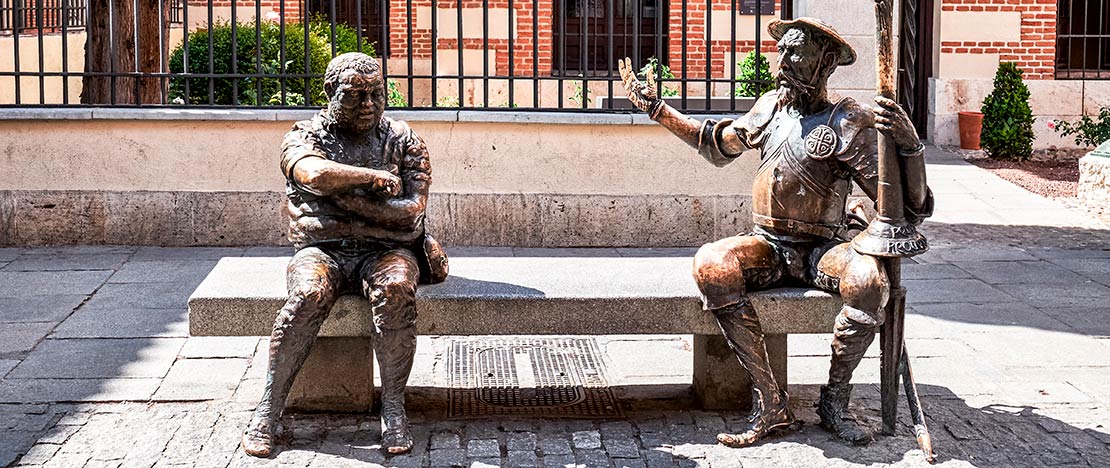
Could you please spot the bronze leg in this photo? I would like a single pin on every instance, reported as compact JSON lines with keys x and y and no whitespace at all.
{"x":719,"y":270}
{"x":390,"y":285}
{"x":313,"y":281}
{"x":863,"y":285}
{"x":770,"y":404}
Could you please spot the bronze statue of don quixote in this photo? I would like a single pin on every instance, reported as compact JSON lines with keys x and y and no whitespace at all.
{"x":812,"y":149}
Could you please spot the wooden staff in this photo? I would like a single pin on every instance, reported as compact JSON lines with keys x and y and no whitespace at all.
{"x":889,"y":238}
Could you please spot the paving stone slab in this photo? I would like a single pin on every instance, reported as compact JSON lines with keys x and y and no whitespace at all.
{"x":983,"y":254}
{"x":8,"y":254}
{"x":80,"y":250}
{"x":201,"y":379}
{"x":19,"y":338}
{"x":1097,"y":269}
{"x":146,"y":254}
{"x":174,"y":271}
{"x":53,"y":308}
{"x":125,"y":323}
{"x":942,"y":319}
{"x":220,"y":347}
{"x":1087,"y":320}
{"x":269,"y":251}
{"x":1085,"y":294}
{"x":49,"y":283}
{"x":952,"y":290}
{"x":100,"y":358}
{"x":1021,"y":272}
{"x":6,"y":365}
{"x":62,"y":390}
{"x":66,"y":262}
{"x":932,"y":271}
{"x":141,"y":296}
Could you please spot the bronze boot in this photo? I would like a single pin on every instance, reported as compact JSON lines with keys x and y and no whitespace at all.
{"x":835,"y":417}
{"x":850,"y":342}
{"x":770,"y":404}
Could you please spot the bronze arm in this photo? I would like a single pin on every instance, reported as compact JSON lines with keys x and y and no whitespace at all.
{"x":695,"y":133}
{"x":331,"y":178}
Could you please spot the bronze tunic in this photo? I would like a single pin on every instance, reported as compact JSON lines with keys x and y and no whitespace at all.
{"x":807,"y":163}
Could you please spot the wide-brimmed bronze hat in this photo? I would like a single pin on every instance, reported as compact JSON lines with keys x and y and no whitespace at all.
{"x":779,"y":27}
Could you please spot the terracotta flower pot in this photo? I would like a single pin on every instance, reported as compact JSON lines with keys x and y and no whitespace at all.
{"x":971,"y":124}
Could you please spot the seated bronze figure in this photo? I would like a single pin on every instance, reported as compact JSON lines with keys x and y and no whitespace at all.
{"x":812,"y":149}
{"x":357,"y":184}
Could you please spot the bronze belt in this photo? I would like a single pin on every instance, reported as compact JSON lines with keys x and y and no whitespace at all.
{"x":796,"y":227}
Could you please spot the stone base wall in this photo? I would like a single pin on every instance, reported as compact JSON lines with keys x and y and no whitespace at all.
{"x":1049,"y":100}
{"x":44,"y":217}
{"x":1094,"y":183}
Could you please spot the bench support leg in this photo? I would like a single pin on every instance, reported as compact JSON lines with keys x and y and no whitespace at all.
{"x":720,"y":382}
{"x":338,"y":376}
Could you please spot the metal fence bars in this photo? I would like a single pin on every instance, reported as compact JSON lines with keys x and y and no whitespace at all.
{"x":551,"y":55}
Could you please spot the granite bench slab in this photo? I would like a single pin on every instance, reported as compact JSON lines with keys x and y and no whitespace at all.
{"x":508,"y":295}
{"x":511,"y":296}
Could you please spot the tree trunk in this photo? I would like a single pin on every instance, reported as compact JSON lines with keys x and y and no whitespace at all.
{"x":114,"y":44}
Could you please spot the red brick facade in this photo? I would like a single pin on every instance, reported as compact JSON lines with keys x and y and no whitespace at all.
{"x":695,"y":37}
{"x":1035,"y":53}
{"x":521,"y":18}
{"x":245,"y":9}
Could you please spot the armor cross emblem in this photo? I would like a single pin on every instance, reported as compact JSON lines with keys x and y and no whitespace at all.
{"x":821,"y":142}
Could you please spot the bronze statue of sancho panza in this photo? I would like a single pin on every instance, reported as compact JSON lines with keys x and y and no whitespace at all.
{"x":357,"y":185}
{"x":812,"y":149}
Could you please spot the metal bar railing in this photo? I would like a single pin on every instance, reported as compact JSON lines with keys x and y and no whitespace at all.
{"x":256,"y":55}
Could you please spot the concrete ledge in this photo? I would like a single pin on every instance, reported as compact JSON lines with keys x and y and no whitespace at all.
{"x":279,"y":114}
{"x":512,"y":295}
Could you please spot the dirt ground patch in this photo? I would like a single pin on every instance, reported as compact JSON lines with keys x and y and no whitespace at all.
{"x":1053,"y":179}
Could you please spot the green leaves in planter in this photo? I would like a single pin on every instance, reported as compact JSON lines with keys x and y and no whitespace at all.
{"x":754,"y":76}
{"x":1007,"y":118}
{"x":258,"y":52}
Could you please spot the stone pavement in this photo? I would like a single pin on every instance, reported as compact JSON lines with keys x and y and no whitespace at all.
{"x":1008,"y":326}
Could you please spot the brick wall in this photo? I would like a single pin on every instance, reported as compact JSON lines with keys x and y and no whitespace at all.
{"x":1034,"y":51}
{"x":519,"y":14}
{"x":245,"y":9}
{"x":716,"y":55}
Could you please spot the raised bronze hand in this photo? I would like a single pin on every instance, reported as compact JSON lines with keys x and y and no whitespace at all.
{"x":642,"y":95}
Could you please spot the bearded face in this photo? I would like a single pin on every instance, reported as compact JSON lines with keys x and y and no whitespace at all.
{"x":804,"y":67}
{"x":357,"y":101}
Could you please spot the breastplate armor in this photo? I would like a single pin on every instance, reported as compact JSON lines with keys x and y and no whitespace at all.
{"x":799,"y":189}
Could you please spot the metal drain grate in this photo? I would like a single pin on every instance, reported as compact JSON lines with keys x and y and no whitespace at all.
{"x":549,"y":377}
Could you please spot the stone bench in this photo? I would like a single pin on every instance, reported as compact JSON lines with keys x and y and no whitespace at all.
{"x":507,"y":295}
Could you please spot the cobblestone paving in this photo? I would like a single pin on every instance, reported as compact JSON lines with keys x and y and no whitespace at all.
{"x":1008,"y":324}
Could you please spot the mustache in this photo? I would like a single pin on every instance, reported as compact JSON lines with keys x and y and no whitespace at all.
{"x":794,"y":82}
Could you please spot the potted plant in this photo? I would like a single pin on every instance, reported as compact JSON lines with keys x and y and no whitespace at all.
{"x":1007,"y":119}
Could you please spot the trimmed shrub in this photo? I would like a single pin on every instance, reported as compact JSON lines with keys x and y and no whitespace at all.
{"x":259,"y":54}
{"x":1007,"y":118}
{"x":754,"y":76}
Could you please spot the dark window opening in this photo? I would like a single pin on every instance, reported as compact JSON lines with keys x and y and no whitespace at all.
{"x":591,"y":35}
{"x":1083,"y":39}
{"x":349,"y":12}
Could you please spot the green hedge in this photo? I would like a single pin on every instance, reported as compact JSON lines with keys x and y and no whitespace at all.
{"x":266,"y":90}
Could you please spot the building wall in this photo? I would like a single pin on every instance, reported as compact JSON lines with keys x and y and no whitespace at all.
{"x":123,"y":181}
{"x":974,"y":36}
